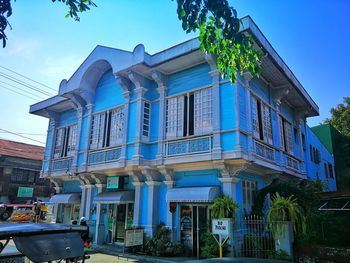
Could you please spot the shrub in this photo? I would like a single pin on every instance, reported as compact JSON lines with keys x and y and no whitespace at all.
{"x":160,"y":244}
{"x":209,"y":246}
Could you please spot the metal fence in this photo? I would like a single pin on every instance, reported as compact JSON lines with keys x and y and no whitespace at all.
{"x":251,"y":238}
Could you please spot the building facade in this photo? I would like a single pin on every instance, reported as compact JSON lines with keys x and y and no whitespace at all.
{"x":136,"y":139}
{"x":339,"y":146}
{"x":20,"y":166}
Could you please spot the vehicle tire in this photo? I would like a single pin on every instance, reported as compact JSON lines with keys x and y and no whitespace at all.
{"x":5,"y":215}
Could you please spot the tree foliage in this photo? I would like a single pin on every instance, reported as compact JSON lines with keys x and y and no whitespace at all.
{"x":217,"y":22}
{"x":305,"y":191}
{"x":74,"y":8}
{"x":220,"y":35}
{"x":340,"y":118}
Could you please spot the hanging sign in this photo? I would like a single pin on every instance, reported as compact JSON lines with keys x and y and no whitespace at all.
{"x":113,"y":182}
{"x":25,"y":192}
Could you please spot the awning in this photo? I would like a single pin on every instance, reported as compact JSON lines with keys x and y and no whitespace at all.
{"x":65,"y":199}
{"x":193,"y":194}
{"x":339,"y":204}
{"x":115,"y":197}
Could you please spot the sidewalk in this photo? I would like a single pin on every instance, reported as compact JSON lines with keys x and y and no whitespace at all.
{"x":117,"y":251}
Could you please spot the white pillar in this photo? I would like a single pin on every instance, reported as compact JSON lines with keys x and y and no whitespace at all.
{"x":170,"y":216}
{"x":153,"y":207}
{"x":82,"y":202}
{"x":99,"y":234}
{"x":89,"y":108}
{"x":137,"y":204}
{"x":229,"y":186}
{"x":126,"y":95}
{"x":88,"y":200}
{"x":217,"y":150}
{"x":80,"y":120}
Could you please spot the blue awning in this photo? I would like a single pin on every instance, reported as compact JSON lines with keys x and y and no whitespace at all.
{"x":65,"y":199}
{"x":193,"y":194}
{"x":118,"y":197}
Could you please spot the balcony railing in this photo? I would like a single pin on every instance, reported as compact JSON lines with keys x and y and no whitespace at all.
{"x":62,"y":164}
{"x":293,"y":163}
{"x":104,"y":156}
{"x":264,"y":151}
{"x":189,"y":146}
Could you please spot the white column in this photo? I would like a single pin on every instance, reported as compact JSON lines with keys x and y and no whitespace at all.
{"x":82,"y":202}
{"x":170,"y":216}
{"x":88,"y":200}
{"x":153,"y":207}
{"x":161,"y":124}
{"x":137,"y":204}
{"x":139,"y":120}
{"x":89,"y":108}
{"x":126,"y":95}
{"x":80,"y":120}
{"x":217,"y":150}
{"x":229,"y":186}
{"x":99,"y":234}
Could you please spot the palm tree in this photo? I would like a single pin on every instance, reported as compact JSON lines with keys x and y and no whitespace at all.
{"x":282,"y":210}
{"x":224,"y":207}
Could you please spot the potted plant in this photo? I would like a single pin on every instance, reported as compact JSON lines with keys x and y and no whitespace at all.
{"x":284,"y":216}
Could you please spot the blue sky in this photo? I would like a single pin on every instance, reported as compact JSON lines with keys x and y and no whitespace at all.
{"x":313,"y":38}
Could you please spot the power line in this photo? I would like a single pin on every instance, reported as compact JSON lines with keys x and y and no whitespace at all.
{"x":8,"y":84}
{"x":25,"y":133}
{"x":14,"y":133}
{"x":24,"y":95}
{"x":4,"y":75}
{"x":37,"y":82}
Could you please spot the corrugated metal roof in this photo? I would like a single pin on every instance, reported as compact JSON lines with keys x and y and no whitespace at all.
{"x":21,"y":150}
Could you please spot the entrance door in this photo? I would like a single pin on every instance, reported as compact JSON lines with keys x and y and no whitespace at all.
{"x":120,"y":223}
{"x":193,"y":223}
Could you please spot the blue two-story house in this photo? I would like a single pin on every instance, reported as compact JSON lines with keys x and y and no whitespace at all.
{"x":136,"y":139}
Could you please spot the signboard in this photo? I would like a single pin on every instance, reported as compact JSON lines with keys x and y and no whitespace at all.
{"x":25,"y":192}
{"x":133,"y":237}
{"x":222,"y":227}
{"x":113,"y":182}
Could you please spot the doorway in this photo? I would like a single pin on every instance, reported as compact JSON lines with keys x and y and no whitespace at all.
{"x":118,"y":220}
{"x":193,"y":224}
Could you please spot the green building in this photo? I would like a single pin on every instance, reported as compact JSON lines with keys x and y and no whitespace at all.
{"x":338,"y":145}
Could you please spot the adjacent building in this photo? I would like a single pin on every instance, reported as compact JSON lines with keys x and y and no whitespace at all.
{"x":20,"y":166}
{"x":339,"y":146}
{"x":136,"y":139}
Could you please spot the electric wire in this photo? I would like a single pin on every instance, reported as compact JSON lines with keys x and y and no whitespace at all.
{"x":8,"y":84}
{"x":24,"y":95}
{"x":37,"y":82}
{"x":25,"y":133}
{"x":14,"y":133}
{"x":11,"y":78}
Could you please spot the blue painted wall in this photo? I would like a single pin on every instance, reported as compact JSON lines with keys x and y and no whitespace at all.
{"x":188,"y":79}
{"x":162,"y":204}
{"x":108,"y":93}
{"x":68,"y":117}
{"x":197,"y":178}
{"x":144,"y":204}
{"x":72,"y":186}
{"x":227,"y":109}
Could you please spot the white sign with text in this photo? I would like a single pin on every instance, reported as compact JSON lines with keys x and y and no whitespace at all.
{"x":222,"y":227}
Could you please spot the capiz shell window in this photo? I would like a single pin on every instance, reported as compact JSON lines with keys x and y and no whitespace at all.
{"x":66,"y":139}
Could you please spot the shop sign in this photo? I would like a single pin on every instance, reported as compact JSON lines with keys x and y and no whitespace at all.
{"x":113,"y":182}
{"x":222,"y":227}
{"x":25,"y":192}
{"x":133,"y":237}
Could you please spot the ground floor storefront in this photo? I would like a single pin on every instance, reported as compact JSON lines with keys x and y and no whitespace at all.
{"x":178,"y":199}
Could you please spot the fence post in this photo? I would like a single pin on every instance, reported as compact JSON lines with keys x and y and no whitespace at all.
{"x":285,"y":242}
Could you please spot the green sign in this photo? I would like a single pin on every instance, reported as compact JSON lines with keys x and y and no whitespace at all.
{"x":25,"y":192}
{"x":113,"y":182}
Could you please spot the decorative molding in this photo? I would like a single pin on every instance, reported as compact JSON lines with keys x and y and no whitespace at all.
{"x":137,"y":80}
{"x":279,"y":93}
{"x":151,"y":174}
{"x":123,"y":82}
{"x":230,"y":171}
{"x":161,"y":80}
{"x":167,"y":173}
{"x":100,"y":179}
{"x":135,"y":174}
